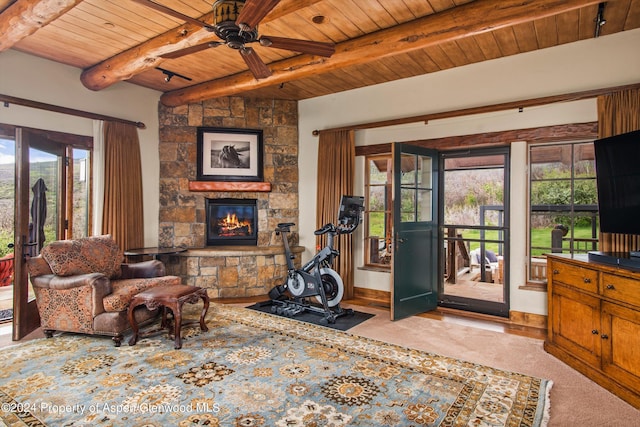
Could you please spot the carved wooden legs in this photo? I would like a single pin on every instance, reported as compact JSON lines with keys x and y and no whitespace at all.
{"x":205,"y":308}
{"x":117,"y":340}
{"x":169,"y":298}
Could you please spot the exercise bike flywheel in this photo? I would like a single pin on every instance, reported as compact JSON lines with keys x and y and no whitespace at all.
{"x":295,"y":284}
{"x":333,"y":287}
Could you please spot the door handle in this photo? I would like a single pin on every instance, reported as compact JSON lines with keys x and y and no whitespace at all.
{"x":398,"y":241}
{"x":25,"y":247}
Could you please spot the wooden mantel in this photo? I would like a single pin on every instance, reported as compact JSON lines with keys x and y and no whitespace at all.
{"x":229,"y":186}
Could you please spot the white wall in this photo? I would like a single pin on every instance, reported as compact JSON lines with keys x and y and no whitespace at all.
{"x":591,"y":64}
{"x":29,"y":77}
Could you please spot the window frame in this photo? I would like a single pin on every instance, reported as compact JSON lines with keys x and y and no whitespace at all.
{"x":575,"y":210}
{"x":387,"y":212}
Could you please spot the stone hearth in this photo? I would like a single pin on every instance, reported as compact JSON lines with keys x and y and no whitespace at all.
{"x":233,"y":271}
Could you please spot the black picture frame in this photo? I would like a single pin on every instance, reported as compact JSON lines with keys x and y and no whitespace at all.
{"x":229,"y":154}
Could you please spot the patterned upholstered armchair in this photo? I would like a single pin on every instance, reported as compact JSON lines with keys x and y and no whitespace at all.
{"x":82,"y":286}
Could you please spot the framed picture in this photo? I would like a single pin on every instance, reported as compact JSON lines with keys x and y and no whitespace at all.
{"x":229,"y":154}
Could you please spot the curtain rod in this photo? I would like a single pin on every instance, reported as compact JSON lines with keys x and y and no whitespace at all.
{"x":576,"y":96}
{"x":64,"y":110}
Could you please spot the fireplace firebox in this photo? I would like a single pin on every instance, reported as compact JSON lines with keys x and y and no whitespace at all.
{"x":231,"y":222}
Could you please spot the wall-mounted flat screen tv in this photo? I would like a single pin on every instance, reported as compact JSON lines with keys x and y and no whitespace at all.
{"x":618,"y":177}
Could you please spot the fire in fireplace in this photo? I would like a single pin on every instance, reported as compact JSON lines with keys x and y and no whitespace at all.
{"x":231,"y":222}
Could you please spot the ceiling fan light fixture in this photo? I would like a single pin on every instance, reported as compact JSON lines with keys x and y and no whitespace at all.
{"x":226,"y":10}
{"x":225,"y":14}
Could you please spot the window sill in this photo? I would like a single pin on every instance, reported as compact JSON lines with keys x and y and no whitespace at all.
{"x":375,"y":268}
{"x":531,"y":286}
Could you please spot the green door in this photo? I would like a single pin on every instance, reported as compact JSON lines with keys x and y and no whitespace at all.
{"x":415,"y":231}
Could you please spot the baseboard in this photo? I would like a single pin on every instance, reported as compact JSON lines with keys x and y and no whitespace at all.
{"x":515,"y":317}
{"x":528,"y":319}
{"x":372,"y":294}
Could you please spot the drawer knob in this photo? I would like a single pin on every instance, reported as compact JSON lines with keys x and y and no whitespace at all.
{"x":610,"y":286}
{"x":595,"y":332}
{"x":556,"y":272}
{"x":587,"y":280}
{"x":604,"y":336}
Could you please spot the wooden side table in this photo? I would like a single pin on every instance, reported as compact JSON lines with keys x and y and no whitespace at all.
{"x":172,"y":298}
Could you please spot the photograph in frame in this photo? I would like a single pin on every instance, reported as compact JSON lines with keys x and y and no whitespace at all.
{"x":229,"y":154}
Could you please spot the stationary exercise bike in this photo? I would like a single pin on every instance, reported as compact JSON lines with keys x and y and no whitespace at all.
{"x":316,"y":278}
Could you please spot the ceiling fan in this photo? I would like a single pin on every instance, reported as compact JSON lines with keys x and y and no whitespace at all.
{"x":235,"y":22}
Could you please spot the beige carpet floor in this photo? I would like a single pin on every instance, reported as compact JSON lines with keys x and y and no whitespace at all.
{"x":575,"y":400}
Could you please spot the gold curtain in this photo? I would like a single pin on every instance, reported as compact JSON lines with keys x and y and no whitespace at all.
{"x":336,"y":171}
{"x":618,"y":113}
{"x":122,"y":216}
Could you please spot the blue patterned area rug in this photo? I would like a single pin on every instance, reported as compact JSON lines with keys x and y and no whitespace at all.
{"x":256,"y":369}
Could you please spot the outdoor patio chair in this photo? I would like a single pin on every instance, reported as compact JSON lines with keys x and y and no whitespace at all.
{"x":6,"y":270}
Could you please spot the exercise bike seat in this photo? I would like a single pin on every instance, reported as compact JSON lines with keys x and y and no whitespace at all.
{"x":284,"y":227}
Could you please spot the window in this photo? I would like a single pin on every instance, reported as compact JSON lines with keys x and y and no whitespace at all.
{"x":78,"y":224}
{"x":563,"y":203}
{"x":377,"y":216}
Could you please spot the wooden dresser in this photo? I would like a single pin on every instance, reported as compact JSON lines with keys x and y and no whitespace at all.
{"x":594,"y":322}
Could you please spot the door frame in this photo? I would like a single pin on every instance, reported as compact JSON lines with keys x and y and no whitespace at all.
{"x":469,"y":304}
{"x":25,"y":316}
{"x":25,"y":313}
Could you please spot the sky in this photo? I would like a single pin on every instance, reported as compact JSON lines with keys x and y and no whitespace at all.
{"x":8,"y":151}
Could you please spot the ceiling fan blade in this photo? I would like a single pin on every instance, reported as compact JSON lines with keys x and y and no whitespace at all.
{"x":255,"y":63}
{"x":302,"y":46}
{"x":189,"y":50}
{"x":171,"y":12}
{"x":253,"y":11}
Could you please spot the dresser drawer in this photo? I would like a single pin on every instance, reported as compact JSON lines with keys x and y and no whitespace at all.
{"x":572,"y":275}
{"x":621,"y":288}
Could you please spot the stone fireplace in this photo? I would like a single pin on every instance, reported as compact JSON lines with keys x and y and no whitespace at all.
{"x":240,"y":269}
{"x":231,"y":222}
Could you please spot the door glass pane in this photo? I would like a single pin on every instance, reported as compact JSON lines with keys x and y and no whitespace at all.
{"x":408,"y":163}
{"x":80,"y":207}
{"x":407,"y":205}
{"x":7,"y":203}
{"x":44,"y":175}
{"x":416,"y":192}
{"x":425,"y":205}
{"x":7,"y":195}
{"x":425,"y":172}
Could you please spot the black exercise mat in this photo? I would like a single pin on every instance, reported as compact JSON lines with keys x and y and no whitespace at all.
{"x":6,"y":315}
{"x":342,"y":323}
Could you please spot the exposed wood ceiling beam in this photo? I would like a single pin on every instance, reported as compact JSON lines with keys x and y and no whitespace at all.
{"x":464,"y":21}
{"x":147,"y":55}
{"x":143,"y":57}
{"x":25,"y":17}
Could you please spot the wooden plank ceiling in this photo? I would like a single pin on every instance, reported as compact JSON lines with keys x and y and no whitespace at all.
{"x":376,"y":40}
